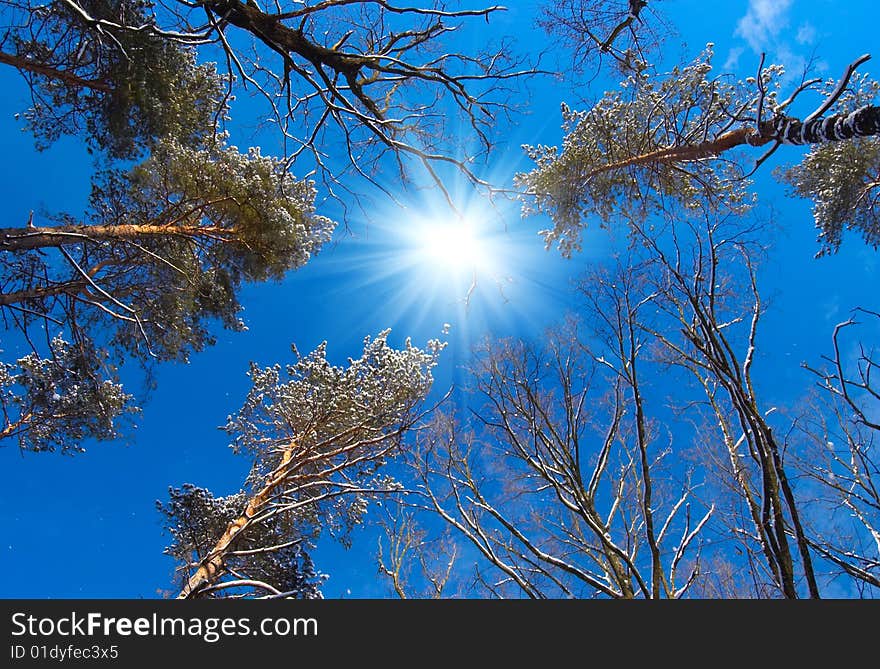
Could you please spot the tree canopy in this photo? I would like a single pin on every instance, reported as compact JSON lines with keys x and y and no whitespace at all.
{"x":644,"y":445}
{"x":166,"y":244}
{"x":675,"y":136}
{"x":319,"y":435}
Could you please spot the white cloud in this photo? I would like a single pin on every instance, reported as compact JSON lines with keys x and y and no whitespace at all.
{"x":806,"y":34}
{"x":766,"y":28}
{"x":732,"y":62}
{"x":796,"y":64}
{"x":763,"y":21}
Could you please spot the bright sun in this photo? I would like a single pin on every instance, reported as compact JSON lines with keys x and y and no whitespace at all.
{"x":451,"y":244}
{"x":435,"y":256}
{"x":449,"y":252}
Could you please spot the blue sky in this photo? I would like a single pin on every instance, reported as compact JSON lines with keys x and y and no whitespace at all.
{"x":86,"y":526}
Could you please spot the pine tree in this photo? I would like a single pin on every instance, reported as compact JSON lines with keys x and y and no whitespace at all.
{"x":319,"y":436}
{"x":681,"y":140}
{"x":56,"y":402}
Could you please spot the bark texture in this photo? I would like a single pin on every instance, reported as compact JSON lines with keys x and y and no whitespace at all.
{"x":863,"y":122}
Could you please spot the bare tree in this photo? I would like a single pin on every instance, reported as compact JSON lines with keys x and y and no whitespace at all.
{"x":629,"y":31}
{"x":705,"y":282}
{"x":841,"y":459}
{"x":365,"y":77}
{"x":633,"y":455}
{"x":563,"y":487}
{"x":417,"y":565}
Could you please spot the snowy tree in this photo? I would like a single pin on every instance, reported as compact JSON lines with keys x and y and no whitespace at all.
{"x":164,"y":247}
{"x":678,"y":138}
{"x":843,"y":178}
{"x":366,"y":75}
{"x":168,"y":246}
{"x":54,"y":403}
{"x":319,"y":435}
{"x":195,"y":518}
{"x":120,"y":88}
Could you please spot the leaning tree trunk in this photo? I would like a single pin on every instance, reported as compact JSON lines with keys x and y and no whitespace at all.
{"x":211,"y":567}
{"x":863,"y":122}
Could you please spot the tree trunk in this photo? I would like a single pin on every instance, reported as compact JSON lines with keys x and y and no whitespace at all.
{"x":863,"y":122}
{"x":27,"y":239}
{"x":635,"y":8}
{"x":271,"y":30}
{"x":212,"y":565}
{"x":280,"y":38}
